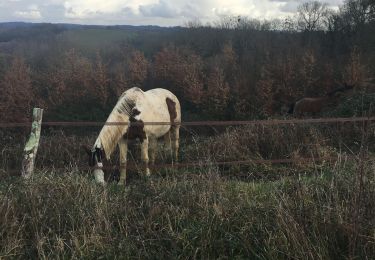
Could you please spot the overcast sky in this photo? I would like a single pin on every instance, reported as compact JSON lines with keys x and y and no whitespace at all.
{"x":143,"y":12}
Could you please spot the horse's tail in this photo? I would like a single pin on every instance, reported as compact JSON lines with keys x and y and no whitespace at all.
{"x":291,"y":108}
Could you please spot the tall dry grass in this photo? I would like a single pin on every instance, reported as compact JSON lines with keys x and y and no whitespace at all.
{"x":315,"y":211}
{"x":59,"y":148}
{"x":189,"y":215}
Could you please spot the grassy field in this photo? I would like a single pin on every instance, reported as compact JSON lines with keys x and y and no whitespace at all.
{"x":302,"y":211}
{"x":324,"y":213}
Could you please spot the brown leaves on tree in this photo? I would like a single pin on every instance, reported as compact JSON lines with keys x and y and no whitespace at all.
{"x":137,"y":69}
{"x":17,"y":95}
{"x":308,"y":72}
{"x":131,"y":72}
{"x":76,"y":79}
{"x":180,"y":70}
{"x":265,"y":91}
{"x":217,"y":91}
{"x":355,"y":72}
{"x":101,"y":81}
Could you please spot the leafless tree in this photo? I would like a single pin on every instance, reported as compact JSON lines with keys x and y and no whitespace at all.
{"x":358,"y":12}
{"x":311,"y":16}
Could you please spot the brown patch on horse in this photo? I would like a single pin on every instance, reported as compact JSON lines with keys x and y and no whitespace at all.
{"x":171,"y":109}
{"x":136,"y":128}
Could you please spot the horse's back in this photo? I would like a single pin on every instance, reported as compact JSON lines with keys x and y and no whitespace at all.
{"x":166,"y":98}
{"x":162,"y":93}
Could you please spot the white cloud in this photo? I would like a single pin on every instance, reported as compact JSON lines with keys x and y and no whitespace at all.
{"x":160,"y":9}
{"x":290,"y":6}
{"x":142,"y":12}
{"x":32,"y":13}
{"x":88,"y":8}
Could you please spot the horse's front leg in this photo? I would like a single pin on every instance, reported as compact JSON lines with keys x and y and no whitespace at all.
{"x":153,"y":145}
{"x":123,"y":147}
{"x":144,"y":156}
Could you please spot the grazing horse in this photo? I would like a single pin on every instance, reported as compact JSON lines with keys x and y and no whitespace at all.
{"x":315,"y":105}
{"x":133,"y":111}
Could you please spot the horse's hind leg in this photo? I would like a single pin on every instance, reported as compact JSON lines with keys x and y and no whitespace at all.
{"x":123,"y":147}
{"x":168,"y":145}
{"x":175,"y":136}
{"x":167,"y":140}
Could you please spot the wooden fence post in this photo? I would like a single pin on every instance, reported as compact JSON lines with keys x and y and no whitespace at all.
{"x":31,"y":147}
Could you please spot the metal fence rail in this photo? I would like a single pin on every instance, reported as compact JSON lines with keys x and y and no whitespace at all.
{"x":203,"y":123}
{"x":364,"y":120}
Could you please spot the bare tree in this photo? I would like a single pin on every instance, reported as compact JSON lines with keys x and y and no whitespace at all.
{"x":196,"y":23}
{"x":311,"y":16}
{"x":358,"y":12}
{"x":289,"y":25}
{"x":228,"y":22}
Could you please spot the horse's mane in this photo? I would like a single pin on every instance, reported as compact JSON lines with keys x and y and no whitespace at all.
{"x":112,"y":133}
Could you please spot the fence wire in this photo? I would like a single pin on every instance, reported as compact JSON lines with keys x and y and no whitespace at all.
{"x":61,"y":149}
{"x":200,"y":123}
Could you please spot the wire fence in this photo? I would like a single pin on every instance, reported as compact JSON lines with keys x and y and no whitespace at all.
{"x":364,"y":121}
{"x":200,"y":123}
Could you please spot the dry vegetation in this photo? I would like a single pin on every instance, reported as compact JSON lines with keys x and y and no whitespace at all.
{"x":191,"y":214}
{"x":308,"y":211}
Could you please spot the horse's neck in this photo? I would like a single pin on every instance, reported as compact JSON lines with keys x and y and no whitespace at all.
{"x":111,"y":133}
{"x":115,"y":128}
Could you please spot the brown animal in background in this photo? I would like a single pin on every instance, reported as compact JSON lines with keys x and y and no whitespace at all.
{"x":310,"y":105}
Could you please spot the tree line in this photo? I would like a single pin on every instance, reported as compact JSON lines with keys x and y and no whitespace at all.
{"x":234,"y":68}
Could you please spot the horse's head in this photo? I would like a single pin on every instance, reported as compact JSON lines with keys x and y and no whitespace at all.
{"x":95,"y":155}
{"x":95,"y":160}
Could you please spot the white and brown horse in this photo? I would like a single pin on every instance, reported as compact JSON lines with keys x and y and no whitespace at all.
{"x":128,"y":120}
